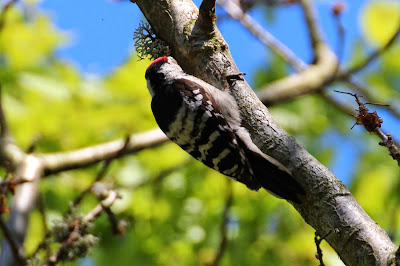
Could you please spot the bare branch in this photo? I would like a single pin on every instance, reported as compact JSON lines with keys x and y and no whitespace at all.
{"x":311,"y":78}
{"x":318,"y":239}
{"x":337,"y":11}
{"x":372,"y":123}
{"x":388,"y":142}
{"x":357,"y":85}
{"x":263,"y":35}
{"x":61,"y":161}
{"x":374,"y":55}
{"x":100,"y":175}
{"x":22,"y":203}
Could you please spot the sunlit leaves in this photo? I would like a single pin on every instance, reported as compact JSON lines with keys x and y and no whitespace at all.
{"x":25,"y":45}
{"x":379,"y":21}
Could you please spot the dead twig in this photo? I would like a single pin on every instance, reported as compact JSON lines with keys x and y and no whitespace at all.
{"x":372,"y":123}
{"x":318,"y":241}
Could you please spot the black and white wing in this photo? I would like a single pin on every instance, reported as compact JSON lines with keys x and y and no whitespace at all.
{"x":189,"y":116}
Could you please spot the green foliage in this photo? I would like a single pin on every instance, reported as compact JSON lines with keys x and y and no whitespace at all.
{"x":174,"y":204}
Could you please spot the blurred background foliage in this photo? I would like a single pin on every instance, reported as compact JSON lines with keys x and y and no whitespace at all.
{"x":174,"y":204}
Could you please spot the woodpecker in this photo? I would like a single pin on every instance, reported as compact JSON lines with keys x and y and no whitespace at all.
{"x":205,"y":122}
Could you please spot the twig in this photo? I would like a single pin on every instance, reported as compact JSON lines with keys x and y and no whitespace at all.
{"x":224,"y":224}
{"x":263,"y":35}
{"x":318,"y":241}
{"x":19,"y":258}
{"x":311,"y":78}
{"x":107,"y":202}
{"x":357,"y":85}
{"x":337,"y":11}
{"x":372,"y":56}
{"x":107,"y":198}
{"x":73,"y":236}
{"x":100,"y":175}
{"x":388,"y":142}
{"x":372,"y":123}
{"x":370,"y":120}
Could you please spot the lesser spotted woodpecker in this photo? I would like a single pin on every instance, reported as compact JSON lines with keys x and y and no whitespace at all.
{"x":205,"y":122}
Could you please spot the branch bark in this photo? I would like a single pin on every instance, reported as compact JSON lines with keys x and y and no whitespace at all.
{"x":31,"y":167}
{"x":328,"y":205}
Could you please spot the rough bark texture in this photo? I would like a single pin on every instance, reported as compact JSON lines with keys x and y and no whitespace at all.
{"x":328,"y":206}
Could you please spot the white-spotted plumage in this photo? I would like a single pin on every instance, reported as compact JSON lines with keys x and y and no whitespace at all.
{"x":205,"y":122}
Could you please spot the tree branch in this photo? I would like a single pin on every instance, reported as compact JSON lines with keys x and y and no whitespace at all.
{"x":328,"y":204}
{"x":374,"y":55}
{"x":310,"y":79}
{"x":22,"y":203}
{"x":269,"y":40}
{"x":31,"y":167}
{"x":61,"y":161}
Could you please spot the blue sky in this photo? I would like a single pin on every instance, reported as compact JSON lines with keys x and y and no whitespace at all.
{"x":101,"y":38}
{"x":101,"y":31}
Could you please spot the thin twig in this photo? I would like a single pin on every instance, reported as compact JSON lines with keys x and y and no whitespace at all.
{"x":73,"y":236}
{"x":263,"y":35}
{"x":100,"y":175}
{"x":107,"y":198}
{"x":388,"y":142}
{"x":372,"y":56}
{"x":105,"y":203}
{"x":358,"y":86}
{"x":318,"y":241}
{"x":337,"y":11}
{"x":372,"y":123}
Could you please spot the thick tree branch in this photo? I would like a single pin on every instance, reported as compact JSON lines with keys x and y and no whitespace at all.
{"x":328,"y":204}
